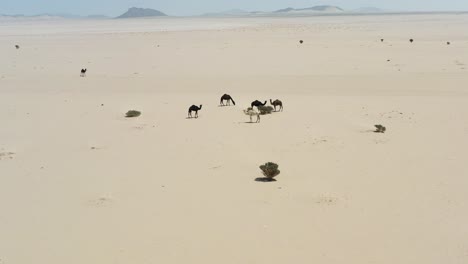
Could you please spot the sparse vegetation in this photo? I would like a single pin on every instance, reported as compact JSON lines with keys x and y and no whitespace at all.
{"x":270,"y":170}
{"x":133,"y":113}
{"x":380,"y":129}
{"x":264,"y":110}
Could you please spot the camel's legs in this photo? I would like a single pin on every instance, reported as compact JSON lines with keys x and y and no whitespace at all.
{"x":258,"y":118}
{"x":250,"y":118}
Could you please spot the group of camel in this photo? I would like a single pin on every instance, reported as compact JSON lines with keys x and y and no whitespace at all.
{"x":251,"y":111}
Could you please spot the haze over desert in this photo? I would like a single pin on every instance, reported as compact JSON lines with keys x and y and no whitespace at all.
{"x":81,"y":183}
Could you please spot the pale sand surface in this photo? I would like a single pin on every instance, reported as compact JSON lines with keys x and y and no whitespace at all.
{"x":81,"y":184}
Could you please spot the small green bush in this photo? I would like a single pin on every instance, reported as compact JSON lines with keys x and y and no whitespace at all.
{"x":380,"y":129}
{"x":133,"y":113}
{"x":270,"y":170}
{"x":264,"y":110}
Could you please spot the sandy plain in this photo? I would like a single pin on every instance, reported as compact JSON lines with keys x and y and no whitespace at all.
{"x":80,"y":183}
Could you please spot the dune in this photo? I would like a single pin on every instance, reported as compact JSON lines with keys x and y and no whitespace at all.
{"x":81,"y":183}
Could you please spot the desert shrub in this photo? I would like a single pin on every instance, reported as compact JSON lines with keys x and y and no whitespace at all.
{"x":380,"y":129}
{"x":133,"y":113}
{"x":270,"y":170}
{"x":264,"y":110}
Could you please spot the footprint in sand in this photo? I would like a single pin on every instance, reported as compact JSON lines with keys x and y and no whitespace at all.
{"x":397,"y":115}
{"x":96,"y":148}
{"x":102,"y":201}
{"x":6,"y":155}
{"x":326,"y":200}
{"x":380,"y":141}
{"x":317,"y":141}
{"x":140,"y":127}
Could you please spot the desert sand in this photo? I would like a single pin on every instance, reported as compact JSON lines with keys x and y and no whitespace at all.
{"x":80,"y":183}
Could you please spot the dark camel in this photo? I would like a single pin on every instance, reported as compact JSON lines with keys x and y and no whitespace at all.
{"x":17,"y":46}
{"x":83,"y":72}
{"x":195,"y":109}
{"x":228,"y":98}
{"x":257,"y":103}
{"x":277,"y":103}
{"x":411,"y":40}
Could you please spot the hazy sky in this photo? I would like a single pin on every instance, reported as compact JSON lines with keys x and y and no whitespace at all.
{"x":192,"y":7}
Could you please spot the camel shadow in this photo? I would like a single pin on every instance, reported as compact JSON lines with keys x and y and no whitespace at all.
{"x":264,"y":179}
{"x":188,"y":118}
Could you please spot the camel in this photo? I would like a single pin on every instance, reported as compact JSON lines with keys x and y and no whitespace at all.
{"x":228,"y":98}
{"x":277,"y":103}
{"x":83,"y":72}
{"x":411,"y":40}
{"x":195,"y":109}
{"x":301,"y":41}
{"x":381,"y":40}
{"x":257,"y":103}
{"x":251,"y":112}
{"x":17,"y":46}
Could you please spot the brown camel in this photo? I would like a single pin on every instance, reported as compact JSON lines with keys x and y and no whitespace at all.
{"x":277,"y":103}
{"x":83,"y":72}
{"x":228,"y":98}
{"x":195,"y":109}
{"x":257,"y":103}
{"x":252,"y":112}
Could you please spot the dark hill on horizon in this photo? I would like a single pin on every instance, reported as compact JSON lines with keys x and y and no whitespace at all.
{"x":141,"y":12}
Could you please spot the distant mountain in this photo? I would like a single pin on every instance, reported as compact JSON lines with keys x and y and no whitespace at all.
{"x":289,"y":9}
{"x":233,"y":12}
{"x":322,"y":8}
{"x":141,"y":12}
{"x":24,"y":17}
{"x":286,"y":11}
{"x":50,"y":16}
